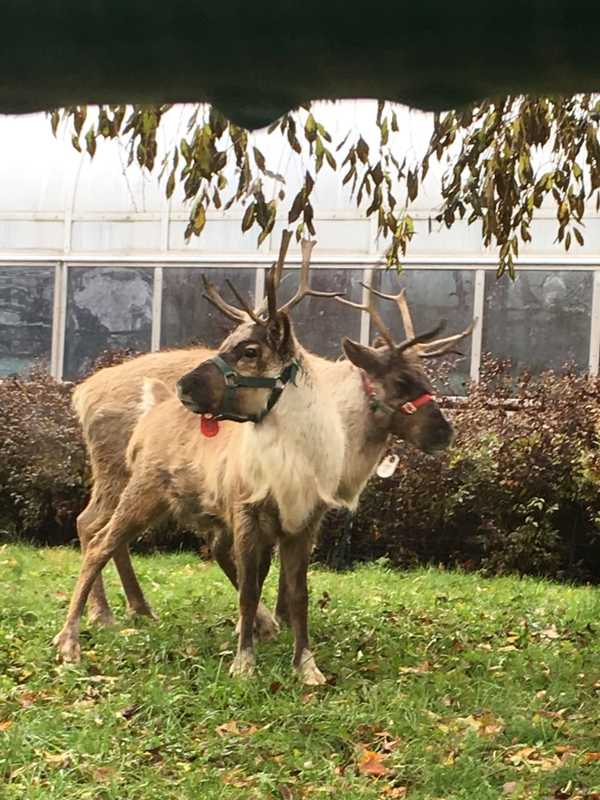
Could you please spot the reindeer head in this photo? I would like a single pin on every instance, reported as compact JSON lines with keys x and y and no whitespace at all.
{"x":400,"y":394}
{"x":256,"y":361}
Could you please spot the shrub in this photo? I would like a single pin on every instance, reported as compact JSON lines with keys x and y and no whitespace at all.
{"x":518,"y":491}
{"x":44,"y":480}
{"x":42,"y":462}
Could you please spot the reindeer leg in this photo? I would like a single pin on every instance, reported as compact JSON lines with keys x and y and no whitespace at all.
{"x":247,"y":556}
{"x":281,"y":609}
{"x":294,"y":553}
{"x":265,"y":624}
{"x":92,"y":519}
{"x":95,"y":516}
{"x":135,"y":510}
{"x":137,"y":605}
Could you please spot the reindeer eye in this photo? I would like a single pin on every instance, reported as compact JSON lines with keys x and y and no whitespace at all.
{"x":251,"y":352}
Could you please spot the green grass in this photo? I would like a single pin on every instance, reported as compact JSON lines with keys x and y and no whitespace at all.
{"x":466,"y":687}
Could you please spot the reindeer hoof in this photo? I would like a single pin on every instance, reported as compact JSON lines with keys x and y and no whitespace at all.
{"x":244,"y":665}
{"x":68,"y":647}
{"x":265,"y":625}
{"x":142,"y":611}
{"x":101,"y":616}
{"x":307,"y":670}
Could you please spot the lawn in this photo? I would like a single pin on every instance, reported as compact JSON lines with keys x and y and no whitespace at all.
{"x":441,"y":685}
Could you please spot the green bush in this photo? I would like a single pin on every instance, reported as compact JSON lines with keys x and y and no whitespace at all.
{"x":518,"y":491}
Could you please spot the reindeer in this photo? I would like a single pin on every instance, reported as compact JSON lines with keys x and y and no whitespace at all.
{"x":381,"y":392}
{"x":109,"y":405}
{"x":266,"y":482}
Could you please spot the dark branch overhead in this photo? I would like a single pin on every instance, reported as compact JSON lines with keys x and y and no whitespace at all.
{"x":256,"y":60}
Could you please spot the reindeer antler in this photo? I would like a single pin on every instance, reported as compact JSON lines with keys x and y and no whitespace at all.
{"x":446,"y":345}
{"x":212,"y":295}
{"x":304,"y":289}
{"x":400,"y":300}
{"x":273,"y":280}
{"x":428,"y":346}
{"x":372,"y":311}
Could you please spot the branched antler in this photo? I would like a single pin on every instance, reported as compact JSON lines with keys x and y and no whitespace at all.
{"x":428,"y":346}
{"x":268,"y":309}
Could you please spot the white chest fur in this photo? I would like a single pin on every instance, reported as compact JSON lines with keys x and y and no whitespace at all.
{"x":296,"y":454}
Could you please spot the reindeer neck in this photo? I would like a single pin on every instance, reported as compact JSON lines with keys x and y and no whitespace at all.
{"x":295,"y":455}
{"x":366,"y":435}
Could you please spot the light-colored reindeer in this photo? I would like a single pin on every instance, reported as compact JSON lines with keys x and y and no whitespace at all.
{"x":266,"y":482}
{"x":109,"y":404}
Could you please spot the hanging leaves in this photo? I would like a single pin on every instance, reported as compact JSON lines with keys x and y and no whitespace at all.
{"x":494,"y":175}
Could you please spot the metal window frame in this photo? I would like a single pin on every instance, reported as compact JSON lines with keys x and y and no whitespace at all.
{"x":260,"y":262}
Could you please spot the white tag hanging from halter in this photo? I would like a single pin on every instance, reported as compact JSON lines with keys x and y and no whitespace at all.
{"x":387,"y":467}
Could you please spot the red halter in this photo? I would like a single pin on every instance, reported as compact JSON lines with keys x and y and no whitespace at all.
{"x":407,"y":408}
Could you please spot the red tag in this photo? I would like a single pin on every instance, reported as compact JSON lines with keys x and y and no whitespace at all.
{"x":209,"y":426}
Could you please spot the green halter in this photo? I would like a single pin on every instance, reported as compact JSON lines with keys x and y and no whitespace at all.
{"x":235,"y":381}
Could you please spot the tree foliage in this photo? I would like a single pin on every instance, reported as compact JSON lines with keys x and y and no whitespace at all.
{"x":503,"y":157}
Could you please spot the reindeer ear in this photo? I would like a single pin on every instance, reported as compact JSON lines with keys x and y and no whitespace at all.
{"x":280,"y":333}
{"x":361,"y":356}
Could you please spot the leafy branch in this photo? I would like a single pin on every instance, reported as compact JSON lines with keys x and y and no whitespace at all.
{"x":505,"y":158}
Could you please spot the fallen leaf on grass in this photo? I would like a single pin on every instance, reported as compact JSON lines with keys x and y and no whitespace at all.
{"x":57,"y":759}
{"x":386,"y":742}
{"x":4,"y":726}
{"x":510,"y":787}
{"x":131,"y":711}
{"x":397,"y":792}
{"x":591,"y":757}
{"x":532,"y":758}
{"x":233,"y":729}
{"x":237,"y":779}
{"x":550,"y":632}
{"x":449,"y":759}
{"x":103,"y":774}
{"x":485,"y":724}
{"x":419,"y":669}
{"x":26,"y":699}
{"x":371,"y":763}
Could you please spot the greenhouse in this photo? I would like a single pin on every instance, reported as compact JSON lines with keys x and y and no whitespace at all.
{"x":92,"y":257}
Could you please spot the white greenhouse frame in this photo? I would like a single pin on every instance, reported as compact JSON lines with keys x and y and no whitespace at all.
{"x":262,"y":261}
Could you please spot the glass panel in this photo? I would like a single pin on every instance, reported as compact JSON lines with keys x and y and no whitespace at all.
{"x":187,"y":317}
{"x":539,"y":321}
{"x":107,"y":308}
{"x":26,"y":297}
{"x":433,"y":295}
{"x":321,"y":323}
